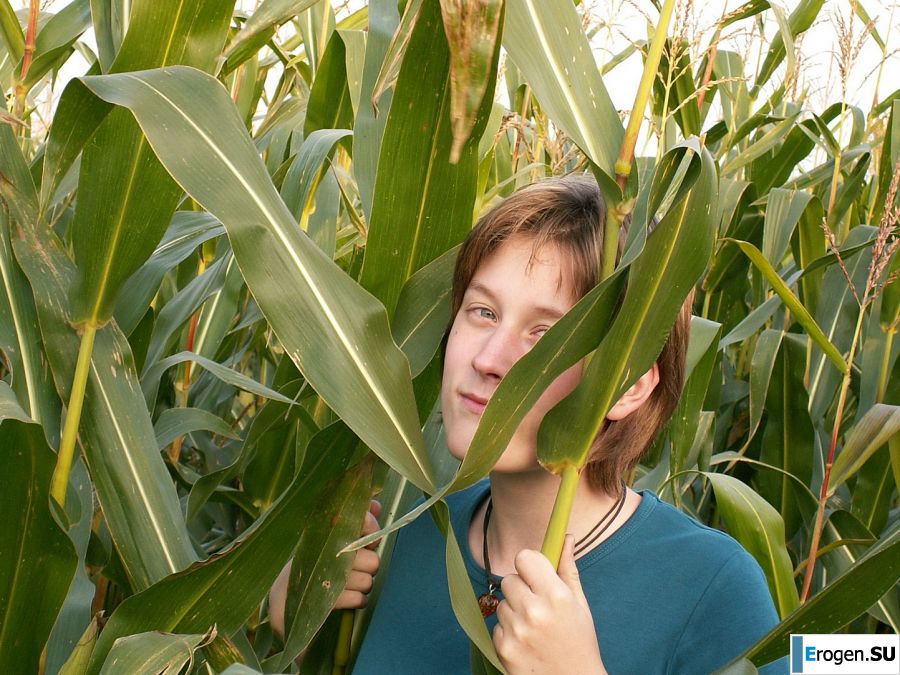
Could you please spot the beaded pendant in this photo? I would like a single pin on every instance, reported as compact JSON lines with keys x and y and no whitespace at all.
{"x":488,"y":603}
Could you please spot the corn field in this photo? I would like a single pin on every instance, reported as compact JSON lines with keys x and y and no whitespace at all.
{"x":226,"y":247}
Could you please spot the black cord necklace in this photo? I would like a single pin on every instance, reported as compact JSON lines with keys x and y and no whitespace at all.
{"x":489,"y":601}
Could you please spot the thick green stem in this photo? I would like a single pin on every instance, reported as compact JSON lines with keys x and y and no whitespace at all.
{"x":73,"y":417}
{"x":651,"y":65}
{"x":342,"y":649}
{"x":559,"y":518}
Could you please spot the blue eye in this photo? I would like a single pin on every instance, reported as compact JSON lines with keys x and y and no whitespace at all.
{"x":485,"y":313}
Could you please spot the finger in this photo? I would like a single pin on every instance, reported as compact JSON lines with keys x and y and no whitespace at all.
{"x":370,"y":525}
{"x":375,"y":508}
{"x":568,"y":570}
{"x":536,"y":571}
{"x":515,"y":590}
{"x":359,"y":581}
{"x":351,"y":600}
{"x":366,"y":561}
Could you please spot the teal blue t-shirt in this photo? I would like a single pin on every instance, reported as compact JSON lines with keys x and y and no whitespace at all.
{"x":668,"y":595}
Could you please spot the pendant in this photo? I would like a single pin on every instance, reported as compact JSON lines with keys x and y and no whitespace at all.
{"x":488,"y":603}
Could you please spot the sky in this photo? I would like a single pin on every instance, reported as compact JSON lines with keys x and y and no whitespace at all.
{"x":614,"y":24}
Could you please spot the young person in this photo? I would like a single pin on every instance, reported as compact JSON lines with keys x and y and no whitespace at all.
{"x":641,"y":587}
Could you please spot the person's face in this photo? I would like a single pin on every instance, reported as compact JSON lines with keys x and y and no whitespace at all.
{"x":507,"y":307}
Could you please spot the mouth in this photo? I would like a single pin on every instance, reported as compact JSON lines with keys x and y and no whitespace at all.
{"x":473,"y":403}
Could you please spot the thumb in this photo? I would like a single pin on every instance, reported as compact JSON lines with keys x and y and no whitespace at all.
{"x":568,"y":571}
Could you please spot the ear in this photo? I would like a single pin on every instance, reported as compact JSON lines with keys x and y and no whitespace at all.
{"x":636,"y":395}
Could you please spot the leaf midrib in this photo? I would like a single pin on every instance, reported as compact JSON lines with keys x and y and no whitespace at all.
{"x":285,"y":241}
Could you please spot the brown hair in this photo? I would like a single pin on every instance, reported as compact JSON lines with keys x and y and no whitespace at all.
{"x":571,"y":214}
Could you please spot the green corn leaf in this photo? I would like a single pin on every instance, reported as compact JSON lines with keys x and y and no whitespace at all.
{"x":138,"y":499}
{"x":56,"y":37}
{"x":176,"y":422}
{"x":423,"y":311}
{"x":799,"y":21}
{"x":880,"y":423}
{"x":426,"y":209}
{"x":845,"y":598}
{"x":660,"y":279}
{"x":154,"y":652}
{"x":187,"y":231}
{"x":260,"y":27}
{"x":792,"y":302}
{"x":760,"y":529}
{"x":308,"y":300}
{"x":318,"y":573}
{"x":20,"y":342}
{"x":11,"y":31}
{"x":224,"y":589}
{"x":548,"y":45}
{"x":126,"y":198}
{"x":37,"y":559}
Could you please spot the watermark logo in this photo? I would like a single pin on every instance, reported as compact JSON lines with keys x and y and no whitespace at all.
{"x":858,"y":654}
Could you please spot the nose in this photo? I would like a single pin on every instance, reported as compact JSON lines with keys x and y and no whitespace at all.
{"x":497,"y":354}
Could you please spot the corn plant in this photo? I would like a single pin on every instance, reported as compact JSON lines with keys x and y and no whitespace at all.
{"x":225,"y":261}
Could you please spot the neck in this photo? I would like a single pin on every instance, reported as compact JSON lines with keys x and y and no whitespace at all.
{"x":521,"y":511}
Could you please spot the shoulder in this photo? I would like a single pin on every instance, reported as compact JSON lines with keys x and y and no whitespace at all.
{"x":675,"y":533}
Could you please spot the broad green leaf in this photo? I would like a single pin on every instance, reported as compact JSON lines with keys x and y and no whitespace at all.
{"x":799,"y":21}
{"x":20,"y":342}
{"x":873,"y":490}
{"x":660,"y":279}
{"x":176,"y":313}
{"x":788,"y":441}
{"x":849,"y":192}
{"x":17,"y":188}
{"x":187,"y":231}
{"x":306,"y":171}
{"x":462,"y":597}
{"x":9,"y":405}
{"x":759,"y":528}
{"x":75,"y":612}
{"x":78,"y":660}
{"x":355,"y":47}
{"x":37,"y":560}
{"x":423,"y":311}
{"x":110,"y":23}
{"x":837,"y":314}
{"x":701,"y":358}
{"x":218,"y":312}
{"x":764,"y":144}
{"x":875,"y":429}
{"x":792,"y":302}
{"x":842,"y":526}
{"x":393,"y":57}
{"x":11,"y":31}
{"x":176,"y":422}
{"x":811,"y":245}
{"x":328,"y":106}
{"x":547,"y":43}
{"x":224,"y":589}
{"x":308,"y":301}
{"x":134,"y":489}
{"x":56,"y":37}
{"x":768,"y":345}
{"x":783,"y":211}
{"x":751,"y":323}
{"x":154,"y":652}
{"x":841,"y":601}
{"x":473,"y":32}
{"x":422,"y":211}
{"x":151,"y":376}
{"x":260,"y":27}
{"x":126,"y":197}
{"x":318,"y":572}
{"x":368,"y":128}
